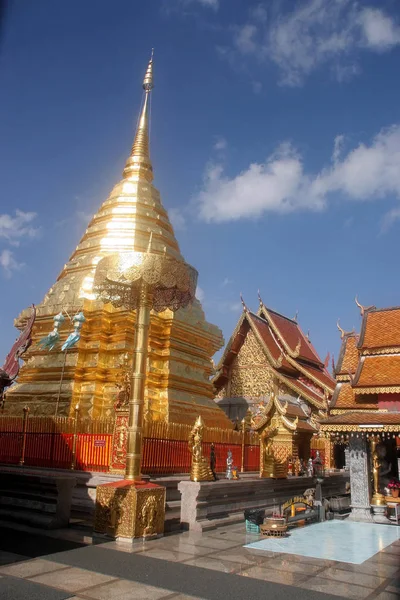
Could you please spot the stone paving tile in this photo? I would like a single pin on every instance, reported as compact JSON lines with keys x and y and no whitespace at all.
{"x":385,"y":559}
{"x":181,"y":547}
{"x":337,"y":588}
{"x":275,"y":576}
{"x":170,"y":555}
{"x":386,"y":596}
{"x":374,"y":568}
{"x":210,"y":542}
{"x":123,"y":589}
{"x":319,"y":562}
{"x":72,"y":579}
{"x":392,"y":550}
{"x":126,"y":547}
{"x":295,"y":567}
{"x":240,"y":556}
{"x":370,"y":581}
{"x":215,"y":564}
{"x":31,"y":568}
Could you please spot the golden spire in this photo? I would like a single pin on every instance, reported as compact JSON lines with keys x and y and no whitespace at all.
{"x":139,"y":163}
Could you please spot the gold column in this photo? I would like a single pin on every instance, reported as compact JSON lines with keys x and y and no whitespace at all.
{"x":136,"y":400}
{"x":24,"y":430}
{"x":243,"y":423}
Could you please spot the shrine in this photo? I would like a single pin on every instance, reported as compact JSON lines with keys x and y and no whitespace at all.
{"x":271,"y":368}
{"x":56,"y":377}
{"x":364,"y":413}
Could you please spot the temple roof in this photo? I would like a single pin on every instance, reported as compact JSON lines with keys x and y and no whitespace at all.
{"x":290,"y":335}
{"x":380,"y":329}
{"x":376,"y":372}
{"x":344,"y":397}
{"x":348,"y":356}
{"x":362,"y":421}
{"x":369,"y":364}
{"x":287,"y":350}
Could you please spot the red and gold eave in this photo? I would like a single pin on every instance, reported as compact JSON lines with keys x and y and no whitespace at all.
{"x":368,"y":374}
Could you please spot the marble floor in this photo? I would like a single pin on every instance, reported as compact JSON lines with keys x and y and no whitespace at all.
{"x":222,"y":563}
{"x":343,"y":541}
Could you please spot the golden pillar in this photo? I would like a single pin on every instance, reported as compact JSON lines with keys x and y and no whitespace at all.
{"x":141,"y":281}
{"x":136,"y":399}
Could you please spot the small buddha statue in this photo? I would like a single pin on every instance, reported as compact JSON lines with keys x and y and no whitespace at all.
{"x":229,"y":464}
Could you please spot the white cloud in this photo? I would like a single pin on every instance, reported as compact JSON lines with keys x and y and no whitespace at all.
{"x":207,"y":3}
{"x":9,"y":263}
{"x":200,"y":294}
{"x":220,"y":143}
{"x":177,"y":219}
{"x":226,"y":282}
{"x":311,"y":33}
{"x":389,"y":219}
{"x":380,"y":31}
{"x":282,"y":185}
{"x":13,"y":229}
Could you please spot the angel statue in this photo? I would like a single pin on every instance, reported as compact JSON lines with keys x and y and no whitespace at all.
{"x":48,"y":342}
{"x":74,"y":337}
{"x":200,"y":469}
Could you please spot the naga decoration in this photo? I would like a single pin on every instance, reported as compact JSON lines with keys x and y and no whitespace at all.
{"x":74,"y":337}
{"x":200,"y":469}
{"x":10,"y":369}
{"x":52,"y":339}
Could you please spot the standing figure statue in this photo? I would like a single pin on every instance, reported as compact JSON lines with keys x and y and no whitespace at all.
{"x":213,"y":461}
{"x":200,"y":470}
{"x":310,"y":468}
{"x":229,"y":465}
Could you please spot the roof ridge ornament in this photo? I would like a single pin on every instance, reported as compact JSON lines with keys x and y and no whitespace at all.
{"x":296,"y":351}
{"x":343,"y":333}
{"x":363,"y":309}
{"x":296,"y":315}
{"x":259,"y":298}
{"x":243,"y":303}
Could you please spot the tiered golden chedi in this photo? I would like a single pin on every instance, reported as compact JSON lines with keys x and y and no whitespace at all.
{"x":178,"y":386}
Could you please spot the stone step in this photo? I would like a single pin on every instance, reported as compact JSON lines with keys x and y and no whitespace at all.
{"x":28,"y":503}
{"x":29,"y":517}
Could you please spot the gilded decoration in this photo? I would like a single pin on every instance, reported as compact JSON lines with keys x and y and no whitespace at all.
{"x":250,"y":375}
{"x":129,"y":511}
{"x":122,"y":224}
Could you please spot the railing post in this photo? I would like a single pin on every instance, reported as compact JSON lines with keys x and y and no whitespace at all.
{"x":243,"y":444}
{"x":24,"y":429}
{"x":73,"y":462}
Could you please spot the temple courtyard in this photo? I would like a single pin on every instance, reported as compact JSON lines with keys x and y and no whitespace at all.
{"x":326,"y":560}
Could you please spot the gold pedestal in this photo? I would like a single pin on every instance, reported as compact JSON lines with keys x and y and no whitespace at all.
{"x":378,"y":500}
{"x":273,"y":469}
{"x":130,"y":509}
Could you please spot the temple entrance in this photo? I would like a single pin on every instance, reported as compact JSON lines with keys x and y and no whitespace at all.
{"x":303,"y":442}
{"x":339,"y":456}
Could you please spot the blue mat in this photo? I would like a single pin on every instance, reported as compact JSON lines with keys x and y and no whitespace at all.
{"x":343,"y":541}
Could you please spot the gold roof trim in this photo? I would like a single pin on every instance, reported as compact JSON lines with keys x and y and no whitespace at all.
{"x":392,"y":389}
{"x":380,"y":351}
{"x":356,"y":428}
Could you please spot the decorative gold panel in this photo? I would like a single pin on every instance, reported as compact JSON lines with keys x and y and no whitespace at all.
{"x":251,"y":376}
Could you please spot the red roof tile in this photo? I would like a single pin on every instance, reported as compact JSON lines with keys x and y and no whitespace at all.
{"x":381,"y":328}
{"x":345,"y":397}
{"x":348,"y":356}
{"x":291,"y":333}
{"x":378,"y":371}
{"x":363,"y":418}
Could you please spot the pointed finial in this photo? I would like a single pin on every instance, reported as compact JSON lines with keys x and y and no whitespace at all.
{"x":362,"y":308}
{"x":259,"y":298}
{"x":326,"y":361}
{"x":139,"y":162}
{"x":295,"y":316}
{"x":342,"y":331}
{"x":308,"y":335}
{"x":243,"y":303}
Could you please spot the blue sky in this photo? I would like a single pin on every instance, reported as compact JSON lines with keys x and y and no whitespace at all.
{"x":275,"y":144}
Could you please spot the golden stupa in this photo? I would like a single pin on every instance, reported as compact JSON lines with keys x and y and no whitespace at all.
{"x":181,"y":344}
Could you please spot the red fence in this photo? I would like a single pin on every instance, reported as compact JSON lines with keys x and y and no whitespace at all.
{"x":50,"y":443}
{"x":173,"y":456}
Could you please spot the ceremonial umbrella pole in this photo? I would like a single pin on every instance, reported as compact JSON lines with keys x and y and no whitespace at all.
{"x":141,"y":281}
